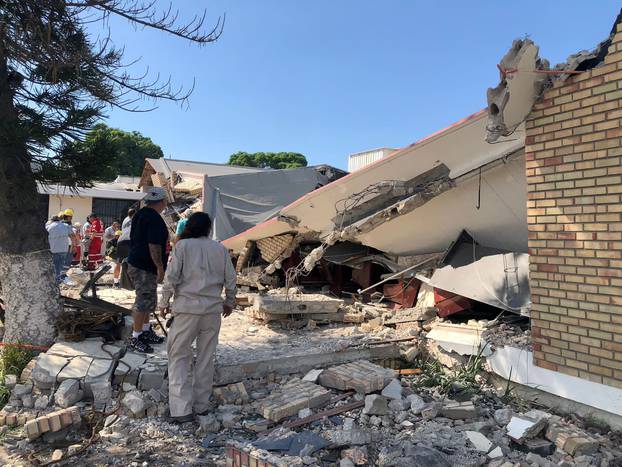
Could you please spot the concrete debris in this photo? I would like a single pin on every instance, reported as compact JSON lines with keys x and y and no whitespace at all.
{"x":417,"y":404}
{"x":358,"y":455}
{"x":292,"y":397}
{"x":503,"y":416}
{"x":571,"y":440}
{"x":68,"y":393}
{"x":362,"y":376}
{"x":512,"y":100}
{"x":312,"y":376}
{"x":539,"y":446}
{"x":102,"y":395}
{"x":479,"y":441}
{"x":208,"y":424}
{"x":351,"y":436}
{"x":375,"y":405}
{"x":10,"y":381}
{"x":523,"y":427}
{"x":388,"y":422}
{"x":231,"y":394}
{"x":393,"y":390}
{"x":495,"y":453}
{"x":134,"y":402}
{"x":305,"y":304}
{"x":458,"y":410}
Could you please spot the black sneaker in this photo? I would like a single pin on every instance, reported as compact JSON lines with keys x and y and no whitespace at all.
{"x":138,"y":345}
{"x":150,"y":337}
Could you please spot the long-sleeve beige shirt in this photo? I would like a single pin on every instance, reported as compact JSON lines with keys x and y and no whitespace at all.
{"x":196,"y":275}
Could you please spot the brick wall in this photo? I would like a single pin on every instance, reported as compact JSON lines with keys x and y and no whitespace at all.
{"x":574,"y":175}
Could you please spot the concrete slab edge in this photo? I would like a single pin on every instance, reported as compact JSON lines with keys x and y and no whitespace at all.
{"x":232,"y":373}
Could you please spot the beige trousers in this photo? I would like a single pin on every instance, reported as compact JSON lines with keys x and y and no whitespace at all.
{"x":186,"y":393}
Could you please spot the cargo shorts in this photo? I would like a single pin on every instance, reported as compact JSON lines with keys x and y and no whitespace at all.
{"x":146,"y":287}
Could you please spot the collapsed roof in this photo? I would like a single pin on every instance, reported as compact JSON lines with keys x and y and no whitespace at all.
{"x":420,"y":198}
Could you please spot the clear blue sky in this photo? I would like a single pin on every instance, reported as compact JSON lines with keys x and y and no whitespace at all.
{"x":331,"y":77}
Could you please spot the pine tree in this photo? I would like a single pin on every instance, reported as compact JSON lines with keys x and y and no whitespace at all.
{"x":56,"y":81}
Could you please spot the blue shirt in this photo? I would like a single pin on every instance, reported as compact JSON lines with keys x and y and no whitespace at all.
{"x":181,"y":225}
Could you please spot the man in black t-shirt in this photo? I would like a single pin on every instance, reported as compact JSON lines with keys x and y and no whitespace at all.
{"x":146,"y":265}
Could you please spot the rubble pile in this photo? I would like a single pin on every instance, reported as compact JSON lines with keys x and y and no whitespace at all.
{"x":358,"y":413}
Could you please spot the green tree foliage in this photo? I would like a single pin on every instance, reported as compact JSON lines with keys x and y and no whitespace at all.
{"x":269,"y":160}
{"x":114,"y":152}
{"x":60,"y":73}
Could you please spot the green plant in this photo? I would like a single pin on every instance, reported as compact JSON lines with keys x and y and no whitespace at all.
{"x":435,"y":375}
{"x":13,"y":360}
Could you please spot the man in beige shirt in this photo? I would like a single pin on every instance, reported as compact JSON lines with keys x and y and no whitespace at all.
{"x":198,"y":271}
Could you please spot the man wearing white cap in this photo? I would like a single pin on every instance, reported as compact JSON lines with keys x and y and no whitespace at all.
{"x":146,"y":265}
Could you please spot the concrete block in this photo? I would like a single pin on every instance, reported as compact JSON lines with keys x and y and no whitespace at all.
{"x":46,"y":369}
{"x":93,"y":347}
{"x":458,"y":410}
{"x":151,"y":377}
{"x":296,"y":304}
{"x":540,"y":446}
{"x":522,"y":427}
{"x":495,"y":453}
{"x":68,"y":393}
{"x":375,"y":405}
{"x":393,"y":390}
{"x":292,"y":397}
{"x":478,"y":440}
{"x":128,"y":368}
{"x":31,"y":429}
{"x":134,"y":402}
{"x":102,"y":394}
{"x":312,"y":376}
{"x":417,"y":404}
{"x":362,"y":376}
{"x":20,"y":390}
{"x":10,"y":381}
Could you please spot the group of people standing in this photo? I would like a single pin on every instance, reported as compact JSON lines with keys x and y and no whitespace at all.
{"x":85,"y":244}
{"x":192,"y":279}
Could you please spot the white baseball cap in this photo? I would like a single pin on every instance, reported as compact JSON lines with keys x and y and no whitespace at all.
{"x":155,"y":193}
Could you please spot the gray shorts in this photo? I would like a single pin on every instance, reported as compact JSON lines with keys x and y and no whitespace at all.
{"x":146,"y":286}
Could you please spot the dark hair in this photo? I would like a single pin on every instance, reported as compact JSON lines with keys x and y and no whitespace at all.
{"x":199,"y":225}
{"x":131,"y":212}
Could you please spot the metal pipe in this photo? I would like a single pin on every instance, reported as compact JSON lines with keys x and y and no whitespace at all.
{"x":397,"y":274}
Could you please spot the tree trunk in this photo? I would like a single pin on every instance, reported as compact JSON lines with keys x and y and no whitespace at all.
{"x":31,"y":297}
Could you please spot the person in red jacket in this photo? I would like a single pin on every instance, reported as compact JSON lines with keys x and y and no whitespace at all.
{"x":96,"y":231}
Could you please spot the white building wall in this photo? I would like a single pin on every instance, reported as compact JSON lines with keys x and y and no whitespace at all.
{"x":82,"y":206}
{"x":362,"y":159}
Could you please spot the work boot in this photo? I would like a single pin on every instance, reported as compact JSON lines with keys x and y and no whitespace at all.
{"x":150,"y":337}
{"x":183,"y":419}
{"x":136,"y":344}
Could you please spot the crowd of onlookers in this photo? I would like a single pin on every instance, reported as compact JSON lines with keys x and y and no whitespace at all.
{"x":88,"y":244}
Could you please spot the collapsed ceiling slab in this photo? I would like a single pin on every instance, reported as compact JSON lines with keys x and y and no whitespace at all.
{"x":461,"y":149}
